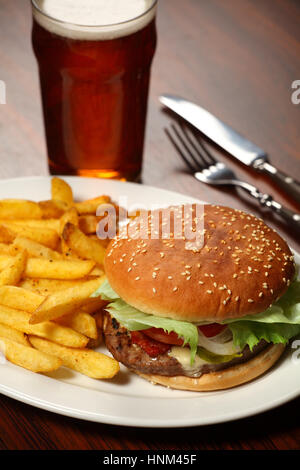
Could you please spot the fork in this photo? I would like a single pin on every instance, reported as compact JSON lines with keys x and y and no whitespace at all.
{"x":207,"y":169}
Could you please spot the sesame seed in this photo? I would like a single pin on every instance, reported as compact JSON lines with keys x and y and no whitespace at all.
{"x":129,"y":269}
{"x":137,"y":278}
{"x":250,"y":301}
{"x":209,"y":291}
{"x":154,"y":290}
{"x":175,"y":289}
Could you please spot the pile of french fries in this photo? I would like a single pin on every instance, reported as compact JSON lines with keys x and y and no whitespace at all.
{"x":51,"y":261}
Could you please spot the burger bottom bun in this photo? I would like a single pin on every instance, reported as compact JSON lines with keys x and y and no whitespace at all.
{"x":227,"y":378}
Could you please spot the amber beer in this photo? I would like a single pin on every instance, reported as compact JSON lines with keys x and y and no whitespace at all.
{"x":94,"y":60}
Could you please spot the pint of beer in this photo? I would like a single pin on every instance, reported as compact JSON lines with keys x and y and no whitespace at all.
{"x":94,"y":60}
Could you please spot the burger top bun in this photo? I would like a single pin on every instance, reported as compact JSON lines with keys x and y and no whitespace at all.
{"x":235,"y":266}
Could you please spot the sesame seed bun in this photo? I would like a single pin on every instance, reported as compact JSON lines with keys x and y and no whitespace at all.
{"x":241,"y":267}
{"x":227,"y":378}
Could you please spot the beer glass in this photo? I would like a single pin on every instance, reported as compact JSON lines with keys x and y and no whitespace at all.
{"x":94,"y":59}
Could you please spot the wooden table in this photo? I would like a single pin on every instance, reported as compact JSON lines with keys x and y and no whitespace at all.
{"x":238,"y":59}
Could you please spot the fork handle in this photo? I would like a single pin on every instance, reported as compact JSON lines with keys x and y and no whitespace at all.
{"x":289,"y":184}
{"x":266,"y":200}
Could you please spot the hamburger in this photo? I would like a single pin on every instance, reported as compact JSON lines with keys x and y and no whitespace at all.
{"x":199,"y":317}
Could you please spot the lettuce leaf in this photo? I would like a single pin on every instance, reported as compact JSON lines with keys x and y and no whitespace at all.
{"x":285,"y":310}
{"x":278,"y":324}
{"x":250,"y":333}
{"x":106,"y":292}
{"x":135,"y":320}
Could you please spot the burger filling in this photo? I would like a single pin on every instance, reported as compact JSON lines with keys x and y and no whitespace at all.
{"x":152,"y":344}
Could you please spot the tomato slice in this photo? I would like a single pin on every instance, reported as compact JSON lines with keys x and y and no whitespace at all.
{"x":212,"y":329}
{"x":152,"y":347}
{"x":160,"y":335}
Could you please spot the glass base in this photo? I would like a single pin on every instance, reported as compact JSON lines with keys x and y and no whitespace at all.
{"x":88,"y":173}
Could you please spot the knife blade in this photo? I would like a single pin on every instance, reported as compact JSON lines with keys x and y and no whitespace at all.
{"x":230,"y":140}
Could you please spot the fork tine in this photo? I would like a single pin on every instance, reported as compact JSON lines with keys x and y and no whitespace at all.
{"x":179,"y":149}
{"x":199,"y":147}
{"x":182,"y":136}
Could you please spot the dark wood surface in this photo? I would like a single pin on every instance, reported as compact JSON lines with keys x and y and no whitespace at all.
{"x":238,"y":59}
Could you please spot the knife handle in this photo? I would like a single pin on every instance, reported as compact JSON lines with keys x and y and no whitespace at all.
{"x":289,"y":184}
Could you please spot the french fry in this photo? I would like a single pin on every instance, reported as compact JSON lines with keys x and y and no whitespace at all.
{"x":14,"y":335}
{"x":5,"y":249}
{"x":19,"y":320}
{"x":99,"y":319}
{"x":34,"y":249}
{"x":80,"y":321}
{"x":66,"y":251}
{"x":96,"y":271}
{"x":20,"y":299}
{"x":28,"y":357}
{"x":90,"y":205}
{"x":47,"y":286}
{"x":40,"y":224}
{"x":5,"y":260}
{"x":58,"y":269}
{"x":87,"y":362}
{"x":61,"y":191}
{"x":95,"y":343}
{"x":52,"y":269}
{"x":70,"y":216}
{"x":53,"y":209}
{"x":51,"y":262}
{"x":88,"y":223}
{"x":19,"y":209}
{"x":65,"y":301}
{"x":82,"y":245}
{"x":12,"y":273}
{"x":9,"y":231}
{"x":94,"y":304}
{"x":6,"y":234}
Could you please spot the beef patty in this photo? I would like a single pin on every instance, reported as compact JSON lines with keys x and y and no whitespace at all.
{"x":118,"y":342}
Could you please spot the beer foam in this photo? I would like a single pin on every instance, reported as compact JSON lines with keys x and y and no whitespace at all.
{"x":93,"y":19}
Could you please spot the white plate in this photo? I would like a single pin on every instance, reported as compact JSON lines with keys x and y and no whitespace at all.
{"x":129,"y":400}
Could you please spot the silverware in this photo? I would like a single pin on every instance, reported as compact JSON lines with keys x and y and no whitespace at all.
{"x":206,"y":169}
{"x":235,"y":144}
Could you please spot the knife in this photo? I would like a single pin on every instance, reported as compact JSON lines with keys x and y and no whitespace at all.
{"x":231,"y":141}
